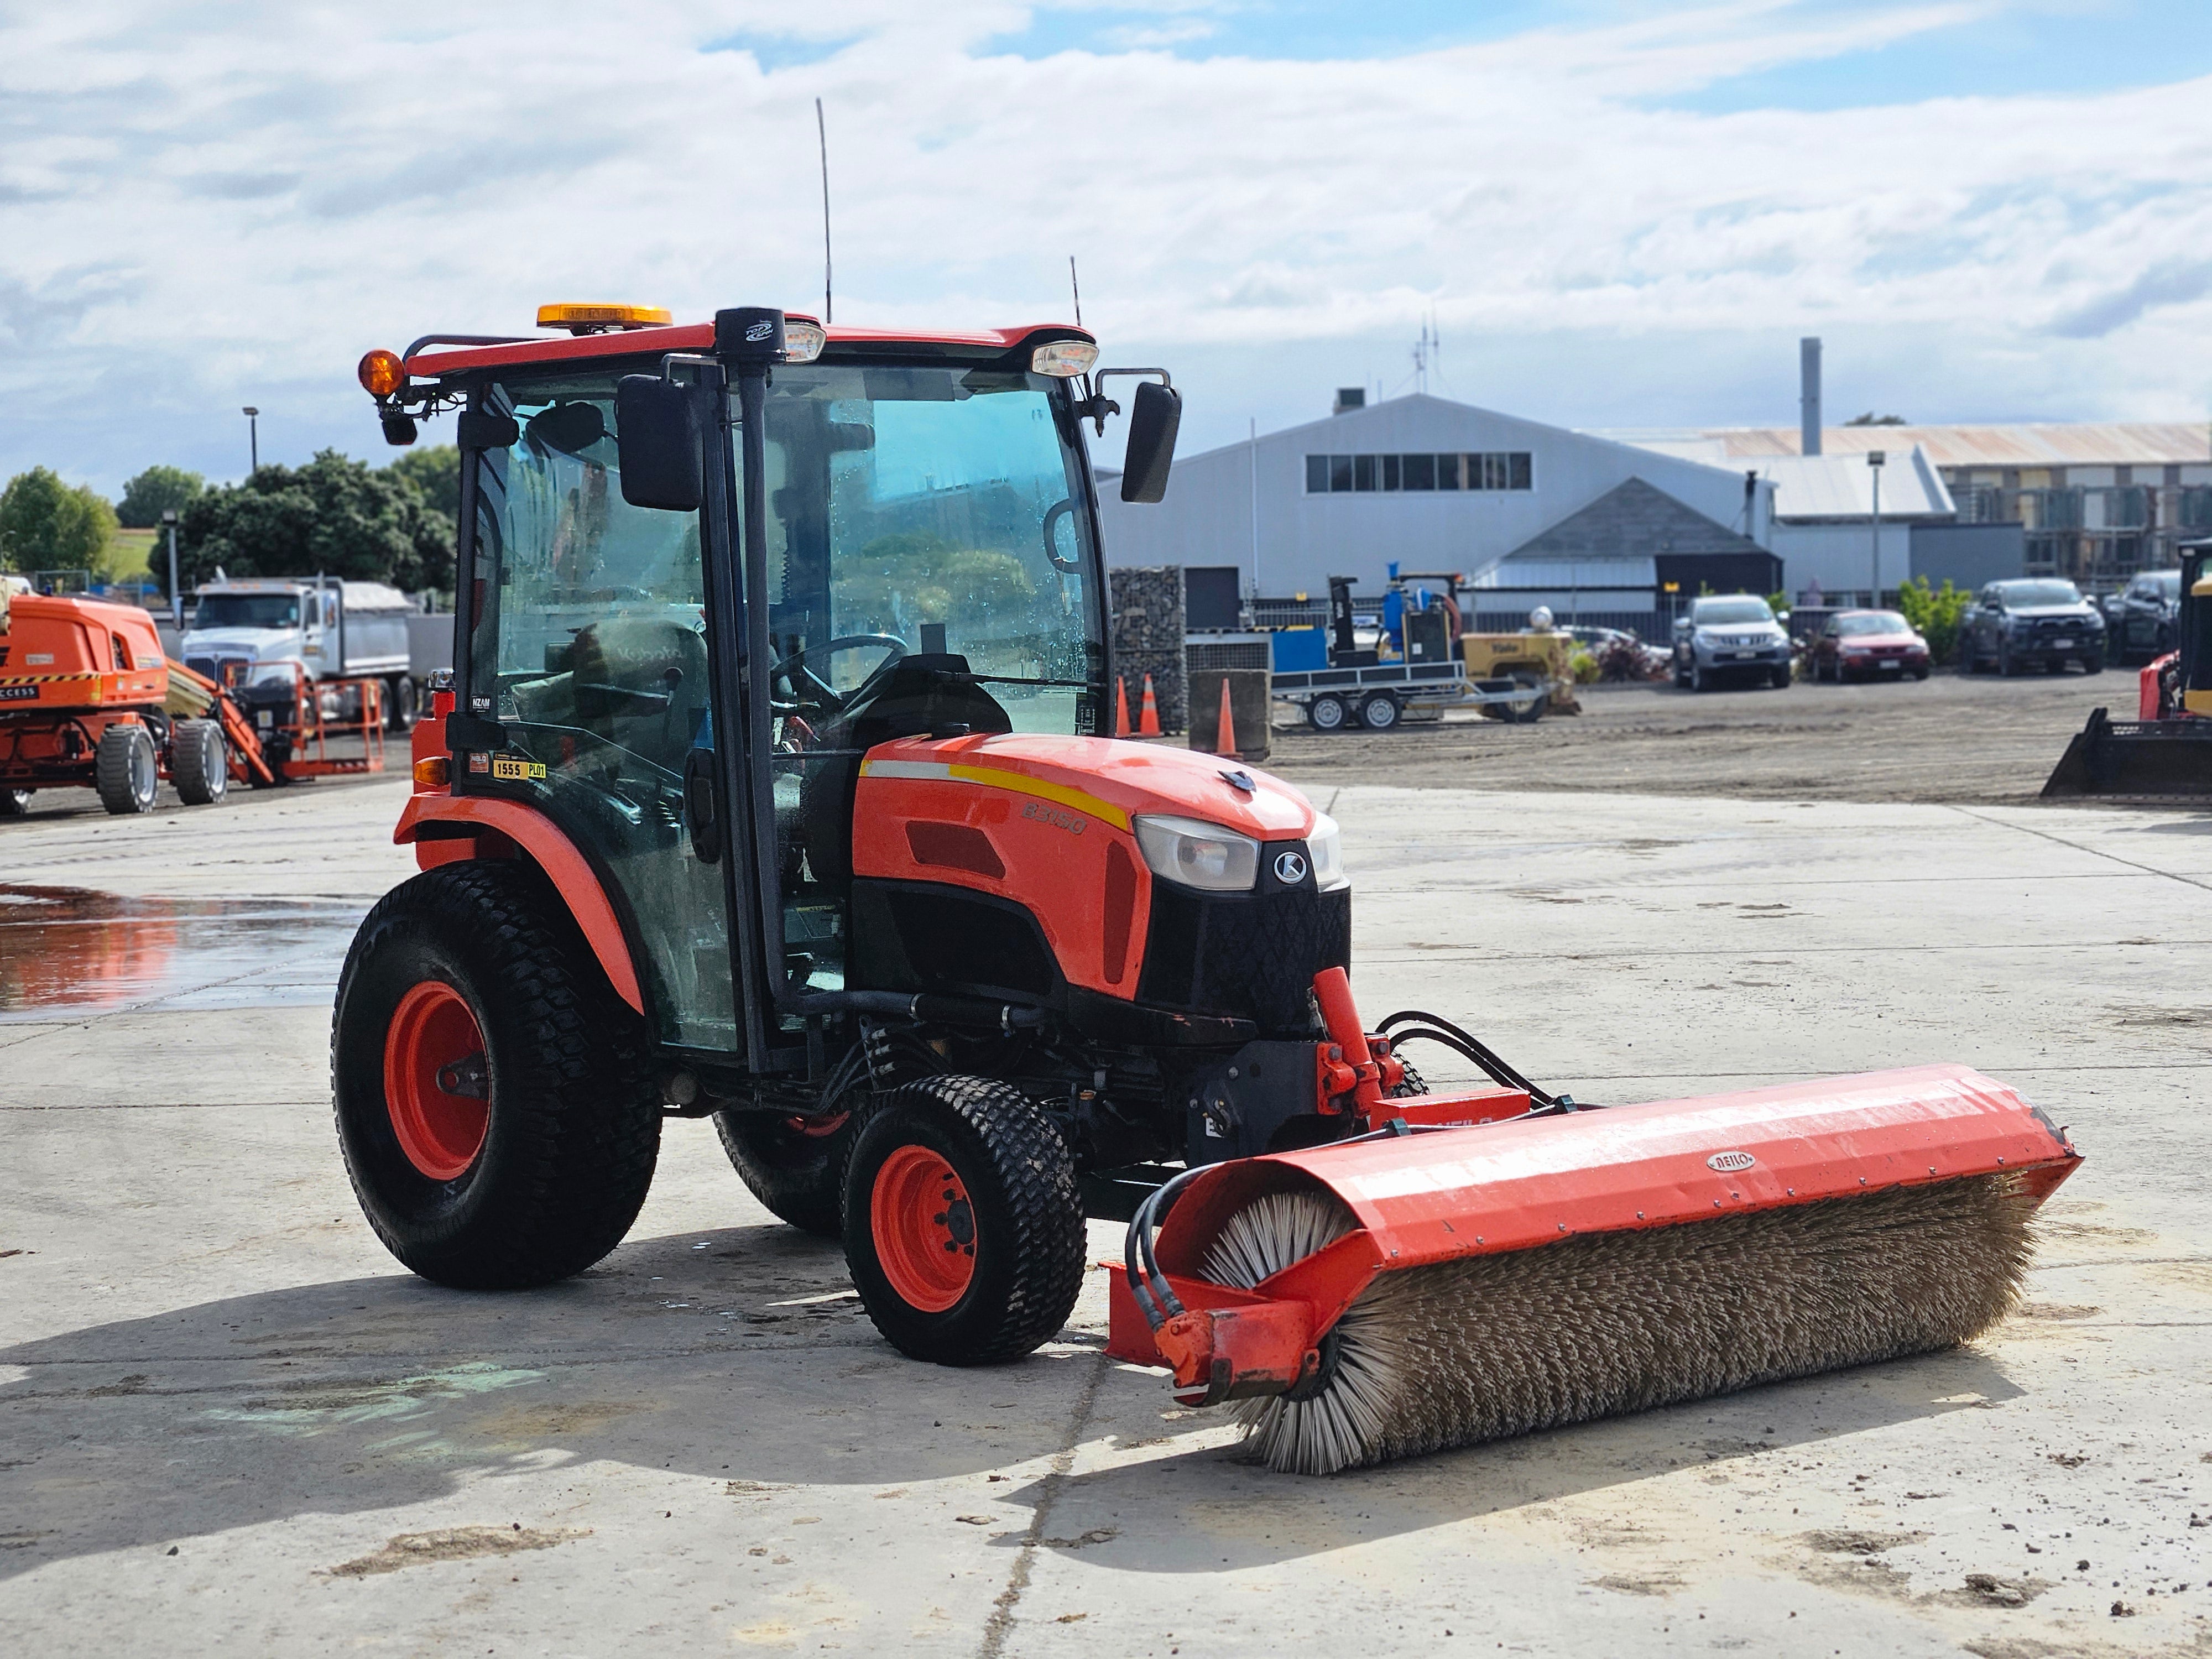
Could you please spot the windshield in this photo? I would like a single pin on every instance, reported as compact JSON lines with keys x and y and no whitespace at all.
{"x":1873,"y":622}
{"x":2026,"y":595}
{"x":247,"y":611}
{"x":1710,"y":613}
{"x":934,"y":508}
{"x":2164,"y":585}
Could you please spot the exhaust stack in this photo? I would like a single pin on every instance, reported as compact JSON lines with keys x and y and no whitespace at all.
{"x":1808,"y":395}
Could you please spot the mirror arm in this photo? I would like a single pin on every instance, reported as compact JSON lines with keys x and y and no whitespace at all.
{"x":1099,"y":406}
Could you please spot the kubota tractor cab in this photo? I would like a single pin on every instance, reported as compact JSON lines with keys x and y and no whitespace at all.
{"x":771,"y":785}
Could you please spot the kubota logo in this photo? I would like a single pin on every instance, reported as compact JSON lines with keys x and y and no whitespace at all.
{"x":1725,"y":1162}
{"x":1290,"y":869}
{"x":759,"y":331}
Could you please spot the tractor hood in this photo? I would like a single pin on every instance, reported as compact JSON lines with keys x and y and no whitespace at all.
{"x":1106,"y":778}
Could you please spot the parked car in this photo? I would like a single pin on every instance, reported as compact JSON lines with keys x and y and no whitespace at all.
{"x":2030,"y":621}
{"x":1736,"y":637}
{"x":1867,"y":645}
{"x":2139,"y":620}
{"x":1620,"y":646}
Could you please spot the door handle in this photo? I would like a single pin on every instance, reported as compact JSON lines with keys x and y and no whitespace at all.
{"x":699,"y":806}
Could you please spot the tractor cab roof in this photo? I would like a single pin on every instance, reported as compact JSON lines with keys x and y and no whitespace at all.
{"x":427,"y":358}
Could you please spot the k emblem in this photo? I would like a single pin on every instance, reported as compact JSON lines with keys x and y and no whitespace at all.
{"x":1290,"y":868}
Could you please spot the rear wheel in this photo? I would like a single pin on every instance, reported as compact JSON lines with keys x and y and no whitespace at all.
{"x":125,"y":770}
{"x":197,"y":762}
{"x":498,"y":1120}
{"x":2092,"y":665}
{"x":1328,"y":713}
{"x":1528,"y":711}
{"x":963,"y":1231}
{"x":14,"y":803}
{"x":1379,"y":711}
{"x":794,"y":1165}
{"x":399,"y":704}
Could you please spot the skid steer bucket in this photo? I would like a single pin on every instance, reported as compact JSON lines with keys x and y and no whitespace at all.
{"x":2150,"y":759}
{"x":1419,"y":1290}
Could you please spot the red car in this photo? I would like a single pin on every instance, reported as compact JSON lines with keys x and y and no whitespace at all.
{"x":1862,"y":645}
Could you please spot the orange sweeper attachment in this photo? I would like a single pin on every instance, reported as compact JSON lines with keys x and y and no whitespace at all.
{"x":796,"y":808}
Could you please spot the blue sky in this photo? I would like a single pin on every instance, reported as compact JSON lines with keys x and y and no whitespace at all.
{"x":1617,"y":214}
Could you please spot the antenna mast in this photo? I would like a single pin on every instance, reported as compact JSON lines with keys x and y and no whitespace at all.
{"x":822,"y":134}
{"x":1076,"y":288}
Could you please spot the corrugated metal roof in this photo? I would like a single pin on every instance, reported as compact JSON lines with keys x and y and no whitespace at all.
{"x":2117,"y":443}
{"x":1842,"y":486}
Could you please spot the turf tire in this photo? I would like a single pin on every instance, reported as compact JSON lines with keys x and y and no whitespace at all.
{"x":198,"y":763}
{"x":799,"y":1178}
{"x":575,"y":1125}
{"x":125,"y":770}
{"x":1029,"y":1225}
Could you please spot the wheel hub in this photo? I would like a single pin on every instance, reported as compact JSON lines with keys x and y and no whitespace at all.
{"x":437,"y":1081}
{"x":923,"y":1226}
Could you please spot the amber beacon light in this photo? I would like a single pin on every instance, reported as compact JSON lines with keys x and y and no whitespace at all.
{"x":381,"y":372}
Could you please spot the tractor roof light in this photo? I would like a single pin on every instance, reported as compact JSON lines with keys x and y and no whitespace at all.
{"x":381,"y":372}
{"x":1064,"y":359}
{"x":802,"y":340}
{"x":598,"y":319}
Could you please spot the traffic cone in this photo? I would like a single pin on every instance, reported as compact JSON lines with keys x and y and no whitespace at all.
{"x":1148,"y":717}
{"x":1225,"y":742}
{"x":1121,"y":707}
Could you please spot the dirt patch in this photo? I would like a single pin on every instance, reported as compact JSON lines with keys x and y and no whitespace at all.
{"x":1842,"y":1542}
{"x":1952,"y":738}
{"x":416,"y":1549}
{"x":2056,"y":1310}
{"x":1986,"y":1589}
{"x":1631,"y":1583}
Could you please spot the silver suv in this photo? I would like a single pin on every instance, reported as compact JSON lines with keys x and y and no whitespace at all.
{"x":1734,"y":637}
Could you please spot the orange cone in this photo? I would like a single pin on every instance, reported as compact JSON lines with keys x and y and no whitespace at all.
{"x":1121,"y":707}
{"x":1148,"y":717}
{"x":1226,"y":742}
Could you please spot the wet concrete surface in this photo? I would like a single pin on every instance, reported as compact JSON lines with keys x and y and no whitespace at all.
{"x":229,"y":1423}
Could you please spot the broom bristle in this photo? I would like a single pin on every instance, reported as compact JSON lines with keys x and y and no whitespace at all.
{"x":1457,"y":1352}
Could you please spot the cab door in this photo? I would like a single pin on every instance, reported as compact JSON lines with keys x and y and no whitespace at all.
{"x":588,"y":645}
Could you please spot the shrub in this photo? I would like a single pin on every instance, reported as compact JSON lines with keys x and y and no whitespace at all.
{"x":1934,"y":613}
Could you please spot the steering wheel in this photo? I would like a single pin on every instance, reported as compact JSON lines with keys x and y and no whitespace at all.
{"x":1053,"y":514}
{"x":794,"y":667}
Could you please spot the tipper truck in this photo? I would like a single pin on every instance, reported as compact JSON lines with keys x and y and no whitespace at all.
{"x":273,"y":631}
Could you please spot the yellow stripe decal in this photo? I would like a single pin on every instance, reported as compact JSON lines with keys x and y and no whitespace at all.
{"x":992,"y":777}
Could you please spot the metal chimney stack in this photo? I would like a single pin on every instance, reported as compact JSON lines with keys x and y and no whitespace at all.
{"x":1808,"y":396}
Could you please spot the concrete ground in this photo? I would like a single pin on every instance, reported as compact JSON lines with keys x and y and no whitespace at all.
{"x":229,"y":1424}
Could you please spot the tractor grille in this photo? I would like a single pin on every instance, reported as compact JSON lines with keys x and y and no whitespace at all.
{"x":1247,"y":955}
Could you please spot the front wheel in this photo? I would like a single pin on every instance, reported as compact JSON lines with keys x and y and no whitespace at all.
{"x":401,"y":703}
{"x":1699,"y":680}
{"x":497,"y":1114}
{"x":198,"y":763}
{"x":963,"y":1231}
{"x":1328,"y":713}
{"x":1782,"y":677}
{"x":2092,"y":665}
{"x":125,"y":769}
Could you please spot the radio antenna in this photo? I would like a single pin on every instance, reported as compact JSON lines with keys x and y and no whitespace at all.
{"x":1076,"y":288}
{"x":822,"y":136}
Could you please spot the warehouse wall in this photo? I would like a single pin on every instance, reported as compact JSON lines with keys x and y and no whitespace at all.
{"x":1207,"y":518}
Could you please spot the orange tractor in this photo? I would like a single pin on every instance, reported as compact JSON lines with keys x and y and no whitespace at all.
{"x":772,"y":785}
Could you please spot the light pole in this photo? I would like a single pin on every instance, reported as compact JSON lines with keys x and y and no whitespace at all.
{"x":1874,"y":459}
{"x":176,"y":596}
{"x":253,"y":438}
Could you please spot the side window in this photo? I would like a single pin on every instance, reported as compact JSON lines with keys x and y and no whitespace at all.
{"x":590,"y":648}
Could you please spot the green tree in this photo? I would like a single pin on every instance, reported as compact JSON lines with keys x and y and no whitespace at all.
{"x":155,"y":491}
{"x":1934,"y":613}
{"x":335,"y":516}
{"x":47,"y":524}
{"x":436,"y":471}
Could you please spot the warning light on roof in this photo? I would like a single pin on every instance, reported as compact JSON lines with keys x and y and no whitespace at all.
{"x":381,"y":372}
{"x":802,"y":341}
{"x":596,"y":319}
{"x":1065,"y":359}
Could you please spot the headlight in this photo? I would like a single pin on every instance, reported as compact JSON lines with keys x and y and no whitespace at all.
{"x":1325,"y":845}
{"x":1201,"y":855}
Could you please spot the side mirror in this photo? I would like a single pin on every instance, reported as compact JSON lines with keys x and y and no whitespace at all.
{"x":660,"y":430}
{"x":1154,"y":415}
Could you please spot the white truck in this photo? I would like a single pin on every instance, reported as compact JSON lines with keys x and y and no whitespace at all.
{"x":250,"y":630}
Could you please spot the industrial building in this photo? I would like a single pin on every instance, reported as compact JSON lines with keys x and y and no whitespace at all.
{"x":1433,"y":485}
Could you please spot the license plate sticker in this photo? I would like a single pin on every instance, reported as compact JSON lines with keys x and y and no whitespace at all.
{"x":1891,"y":662}
{"x":2062,"y":645}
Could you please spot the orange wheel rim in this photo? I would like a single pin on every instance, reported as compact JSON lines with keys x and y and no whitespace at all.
{"x":435,"y":1084}
{"x":924,"y":1229}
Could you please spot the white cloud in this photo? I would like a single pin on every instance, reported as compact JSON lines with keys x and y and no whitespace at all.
{"x":227,"y":204}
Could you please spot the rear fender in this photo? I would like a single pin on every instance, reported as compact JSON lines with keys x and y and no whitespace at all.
{"x":493,"y":827}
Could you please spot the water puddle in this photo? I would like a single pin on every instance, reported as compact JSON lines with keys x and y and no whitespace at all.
{"x":68,"y":951}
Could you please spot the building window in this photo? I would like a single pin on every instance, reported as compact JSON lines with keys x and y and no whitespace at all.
{"x":1332,"y":475}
